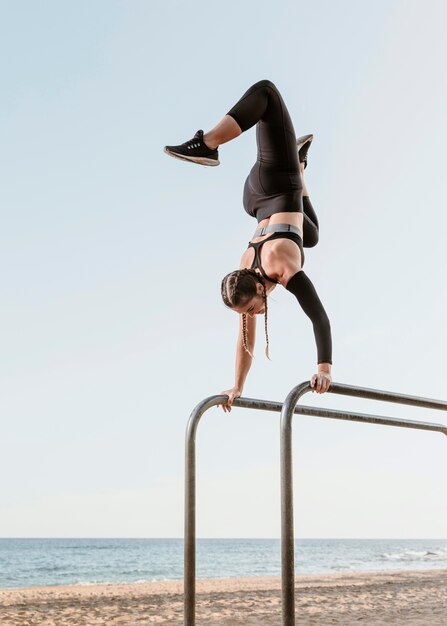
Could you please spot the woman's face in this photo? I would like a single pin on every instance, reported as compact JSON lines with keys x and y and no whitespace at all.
{"x":254,"y":306}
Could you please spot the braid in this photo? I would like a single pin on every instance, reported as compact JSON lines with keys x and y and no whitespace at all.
{"x":244,"y":334}
{"x":265,"y":325}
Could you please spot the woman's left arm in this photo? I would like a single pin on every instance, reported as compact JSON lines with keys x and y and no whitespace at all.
{"x":302,"y":288}
{"x":286,"y":264}
{"x":304,"y":291}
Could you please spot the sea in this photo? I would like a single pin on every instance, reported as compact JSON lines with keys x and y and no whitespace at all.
{"x":42,"y":562}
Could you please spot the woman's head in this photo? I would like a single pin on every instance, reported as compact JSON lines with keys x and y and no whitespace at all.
{"x":244,"y":291}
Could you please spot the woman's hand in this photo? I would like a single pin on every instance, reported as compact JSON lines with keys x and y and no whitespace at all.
{"x":321,"y":382}
{"x":233,"y":393}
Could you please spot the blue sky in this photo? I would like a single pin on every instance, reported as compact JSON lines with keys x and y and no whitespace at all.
{"x":112,"y":327}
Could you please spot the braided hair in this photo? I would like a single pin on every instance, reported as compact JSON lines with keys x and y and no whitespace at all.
{"x":237,"y":289}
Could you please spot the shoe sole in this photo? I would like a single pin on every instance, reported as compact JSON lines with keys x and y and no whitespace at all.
{"x":304,"y":140}
{"x":198,"y":160}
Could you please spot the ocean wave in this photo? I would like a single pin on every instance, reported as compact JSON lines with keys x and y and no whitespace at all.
{"x":416,"y":555}
{"x":141,"y":581}
{"x":88,"y":583}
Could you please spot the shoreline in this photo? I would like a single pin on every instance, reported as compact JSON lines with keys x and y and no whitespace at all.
{"x":165,"y":584}
{"x":397,"y":597}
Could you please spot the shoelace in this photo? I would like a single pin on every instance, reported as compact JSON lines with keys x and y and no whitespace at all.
{"x":193,"y":143}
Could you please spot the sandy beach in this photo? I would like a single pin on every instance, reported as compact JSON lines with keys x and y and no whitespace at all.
{"x":404,"y":598}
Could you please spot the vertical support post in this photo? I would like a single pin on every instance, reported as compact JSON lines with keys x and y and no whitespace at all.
{"x":190,"y":508}
{"x":190,"y":526}
{"x":287,"y":530}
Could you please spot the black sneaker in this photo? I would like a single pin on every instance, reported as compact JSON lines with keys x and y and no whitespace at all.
{"x":194,"y":150}
{"x":303,"y":145}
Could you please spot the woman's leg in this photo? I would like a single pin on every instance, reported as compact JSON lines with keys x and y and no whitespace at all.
{"x":310,"y":223}
{"x":262,"y":104}
{"x":275,"y":134}
{"x":226,"y":130}
{"x":274,"y":183}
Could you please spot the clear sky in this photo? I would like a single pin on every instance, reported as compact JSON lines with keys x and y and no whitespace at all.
{"x":111,"y":322}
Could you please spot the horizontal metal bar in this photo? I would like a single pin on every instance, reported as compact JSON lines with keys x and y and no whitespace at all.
{"x":370,"y":419}
{"x":345,"y":390}
{"x":270,"y":405}
{"x":387,"y":396}
{"x":254,"y":403}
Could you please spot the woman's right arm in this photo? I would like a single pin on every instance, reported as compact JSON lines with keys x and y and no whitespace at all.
{"x":243,"y":361}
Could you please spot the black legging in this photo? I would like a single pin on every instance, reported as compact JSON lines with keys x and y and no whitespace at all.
{"x":274,"y":184}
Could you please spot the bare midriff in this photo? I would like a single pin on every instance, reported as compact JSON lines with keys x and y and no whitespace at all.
{"x":295,"y":219}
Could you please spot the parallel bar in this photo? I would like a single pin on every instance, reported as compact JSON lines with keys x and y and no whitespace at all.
{"x":287,"y":410}
{"x":369,"y":419}
{"x":271,"y":405}
{"x":387,"y":396}
{"x":287,"y":530}
{"x":190,"y":508}
{"x":261,"y":405}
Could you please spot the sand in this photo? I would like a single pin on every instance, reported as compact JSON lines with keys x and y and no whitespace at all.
{"x":412,"y":598}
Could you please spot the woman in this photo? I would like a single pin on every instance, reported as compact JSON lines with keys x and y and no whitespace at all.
{"x":275,"y":194}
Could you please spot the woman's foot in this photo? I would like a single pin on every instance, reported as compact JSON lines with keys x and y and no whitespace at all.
{"x":194,"y":150}
{"x":303,"y":145}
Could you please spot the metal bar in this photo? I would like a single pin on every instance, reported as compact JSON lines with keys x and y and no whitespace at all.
{"x":261,"y":405}
{"x":287,"y":412}
{"x":387,"y":396}
{"x":287,"y":531}
{"x":271,"y":405}
{"x":190,"y":507}
{"x":287,"y":538}
{"x":369,"y":419}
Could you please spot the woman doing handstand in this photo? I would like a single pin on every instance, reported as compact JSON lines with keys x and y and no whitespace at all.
{"x":276,"y":195}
